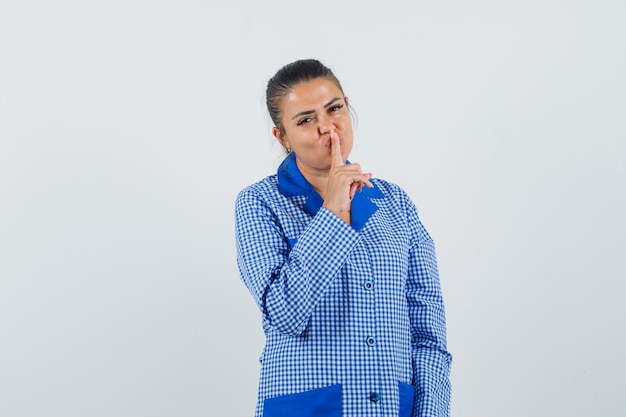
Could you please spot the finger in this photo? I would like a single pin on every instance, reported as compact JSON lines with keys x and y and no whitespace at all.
{"x":358,"y":176}
{"x":367,"y":182}
{"x":354,"y":187}
{"x":335,"y":149}
{"x":363,"y":183}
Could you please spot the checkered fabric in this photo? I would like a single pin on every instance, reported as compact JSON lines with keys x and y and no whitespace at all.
{"x":353,"y":314}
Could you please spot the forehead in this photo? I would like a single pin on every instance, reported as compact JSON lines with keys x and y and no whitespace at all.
{"x":311,"y":94}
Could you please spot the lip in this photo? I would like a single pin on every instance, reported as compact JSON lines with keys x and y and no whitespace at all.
{"x":327,"y":144}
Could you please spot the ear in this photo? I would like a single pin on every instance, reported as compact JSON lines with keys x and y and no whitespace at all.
{"x":284,"y":142}
{"x":345,"y":98}
{"x":277,"y":134}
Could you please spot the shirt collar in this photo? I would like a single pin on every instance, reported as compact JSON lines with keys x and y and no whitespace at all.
{"x":292,"y":183}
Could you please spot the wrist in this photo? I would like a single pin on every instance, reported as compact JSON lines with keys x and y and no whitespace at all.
{"x":343,"y":214}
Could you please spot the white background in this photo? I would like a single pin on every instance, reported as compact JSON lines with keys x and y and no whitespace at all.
{"x":128,"y":127}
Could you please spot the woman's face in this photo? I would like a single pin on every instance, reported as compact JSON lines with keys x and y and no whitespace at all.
{"x":309,"y":113}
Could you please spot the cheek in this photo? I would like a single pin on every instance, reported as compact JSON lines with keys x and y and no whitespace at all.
{"x":302,"y":140}
{"x":346,"y":125}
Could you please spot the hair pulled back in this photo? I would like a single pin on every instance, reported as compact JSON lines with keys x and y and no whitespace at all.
{"x":286,"y":78}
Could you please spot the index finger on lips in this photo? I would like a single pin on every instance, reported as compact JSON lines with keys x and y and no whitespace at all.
{"x":335,"y":149}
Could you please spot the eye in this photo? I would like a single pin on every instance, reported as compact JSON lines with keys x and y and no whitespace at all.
{"x":304,"y":120}
{"x":336,"y":107}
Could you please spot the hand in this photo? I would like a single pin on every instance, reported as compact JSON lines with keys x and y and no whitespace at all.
{"x":343,"y":181}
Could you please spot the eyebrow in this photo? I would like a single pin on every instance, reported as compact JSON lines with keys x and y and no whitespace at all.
{"x":330,"y":103}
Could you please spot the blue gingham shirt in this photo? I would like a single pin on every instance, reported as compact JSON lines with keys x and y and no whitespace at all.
{"x":353,"y":314}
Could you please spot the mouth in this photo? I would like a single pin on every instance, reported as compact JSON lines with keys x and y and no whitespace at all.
{"x":329,"y":143}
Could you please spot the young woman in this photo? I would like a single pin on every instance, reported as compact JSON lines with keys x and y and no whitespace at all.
{"x":342,"y":269}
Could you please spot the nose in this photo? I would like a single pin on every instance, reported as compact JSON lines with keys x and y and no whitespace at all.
{"x":324,"y":124}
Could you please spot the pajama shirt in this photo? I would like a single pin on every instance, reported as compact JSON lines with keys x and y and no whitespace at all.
{"x":352,"y":313}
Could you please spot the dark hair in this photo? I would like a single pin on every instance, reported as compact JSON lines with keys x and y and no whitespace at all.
{"x":287,"y":78}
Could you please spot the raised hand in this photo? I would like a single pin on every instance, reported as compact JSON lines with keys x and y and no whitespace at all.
{"x":343,"y":181}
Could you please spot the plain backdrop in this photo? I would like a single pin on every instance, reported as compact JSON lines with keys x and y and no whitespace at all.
{"x":128,"y":127}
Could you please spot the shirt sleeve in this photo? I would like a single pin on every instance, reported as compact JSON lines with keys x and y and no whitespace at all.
{"x":287,"y":283}
{"x":431,"y":361}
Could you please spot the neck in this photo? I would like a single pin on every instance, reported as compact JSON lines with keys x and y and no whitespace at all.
{"x":317,"y":178}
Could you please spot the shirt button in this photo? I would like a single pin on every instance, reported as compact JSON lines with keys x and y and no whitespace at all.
{"x":374,"y":397}
{"x":368,"y":285}
{"x":370,"y":341}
